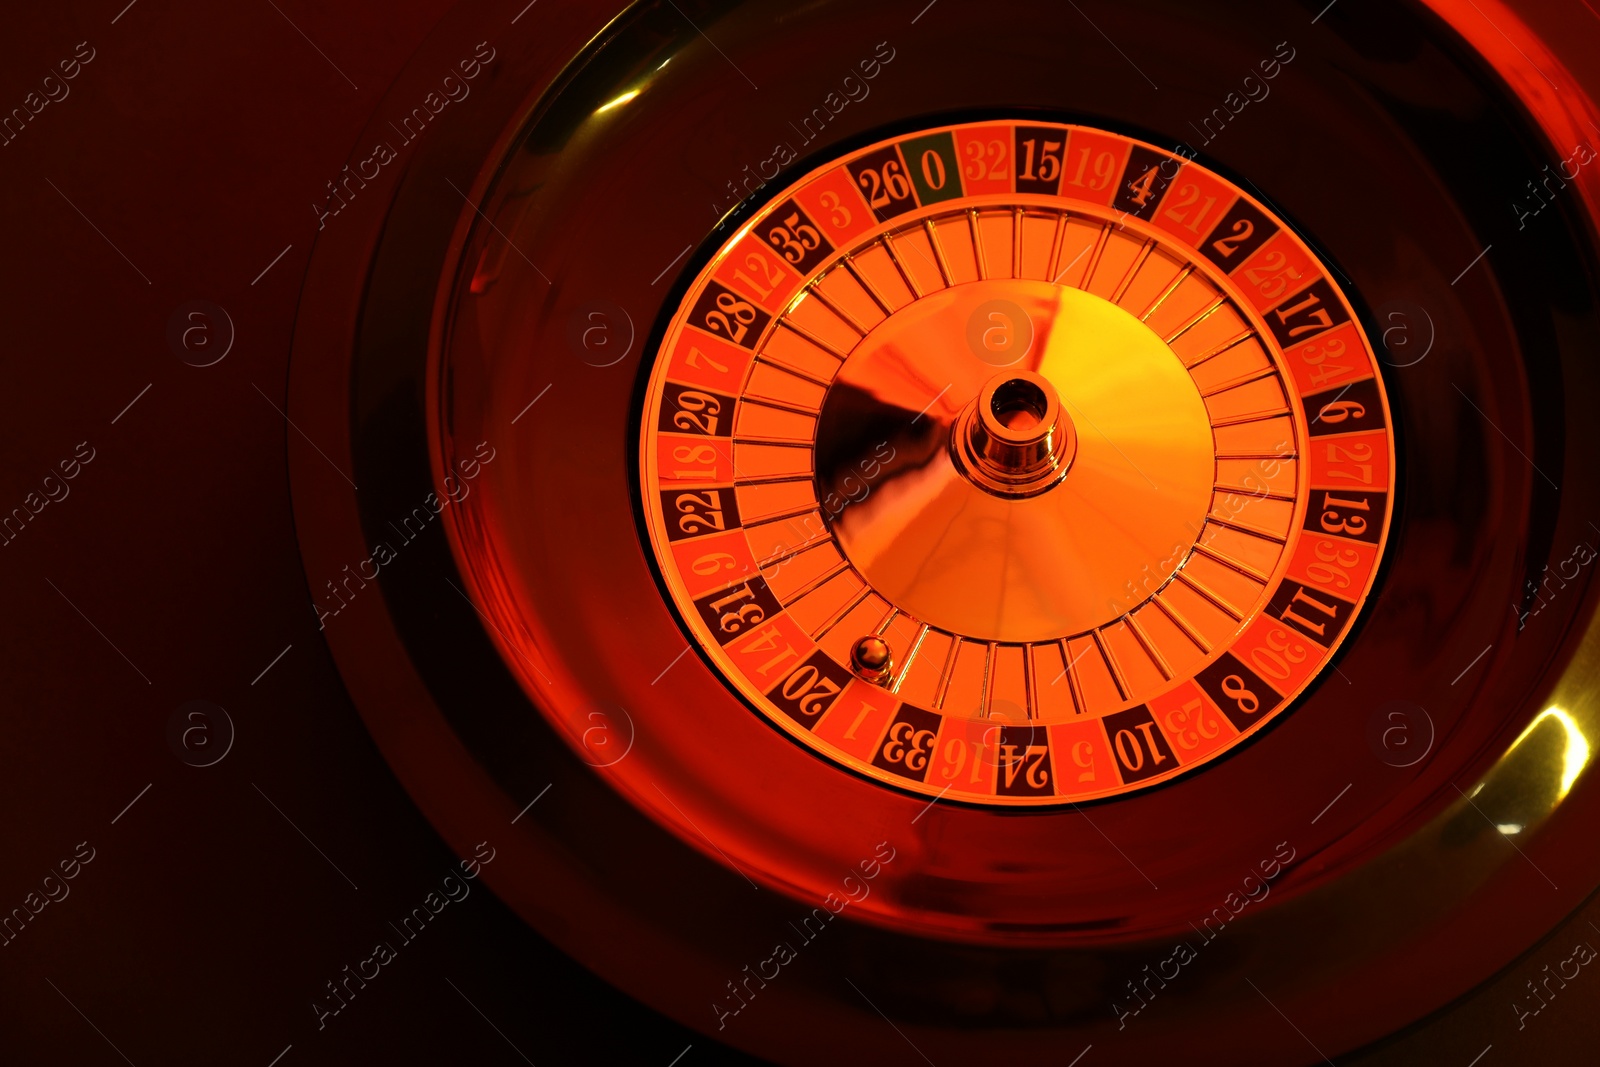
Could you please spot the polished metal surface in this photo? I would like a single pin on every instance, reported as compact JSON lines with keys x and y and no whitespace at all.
{"x":1013,"y":438}
{"x":1057,"y":559}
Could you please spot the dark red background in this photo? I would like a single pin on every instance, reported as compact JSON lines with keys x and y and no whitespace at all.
{"x":197,"y":141}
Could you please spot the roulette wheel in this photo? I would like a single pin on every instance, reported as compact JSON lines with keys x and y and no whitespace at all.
{"x":934,"y":533}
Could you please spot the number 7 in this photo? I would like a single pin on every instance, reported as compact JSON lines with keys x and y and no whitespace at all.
{"x":695,"y":355}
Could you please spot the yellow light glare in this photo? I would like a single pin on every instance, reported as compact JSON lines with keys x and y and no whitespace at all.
{"x":1576,"y":756}
{"x":618,"y":102}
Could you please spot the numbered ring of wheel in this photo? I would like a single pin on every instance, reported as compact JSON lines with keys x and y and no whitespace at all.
{"x":1102,"y":546}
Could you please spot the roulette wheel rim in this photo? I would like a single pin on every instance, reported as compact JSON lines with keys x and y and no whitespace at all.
{"x":570,"y":891}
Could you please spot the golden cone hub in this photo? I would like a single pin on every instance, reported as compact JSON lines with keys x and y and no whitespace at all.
{"x":1014,"y":440}
{"x":1040,"y":500}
